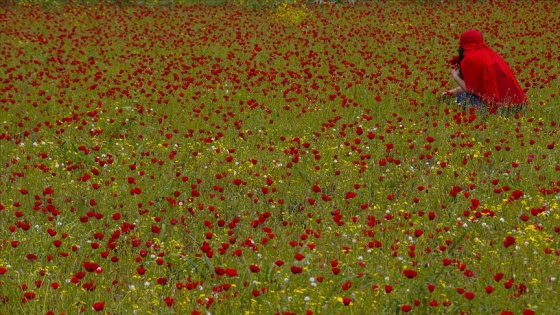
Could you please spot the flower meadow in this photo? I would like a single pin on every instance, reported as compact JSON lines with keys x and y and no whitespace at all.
{"x":205,"y":159}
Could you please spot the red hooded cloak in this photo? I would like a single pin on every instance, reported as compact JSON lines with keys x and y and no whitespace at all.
{"x":487,"y":75}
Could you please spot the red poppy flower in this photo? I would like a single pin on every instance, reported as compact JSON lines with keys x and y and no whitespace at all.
{"x":90,"y":266}
{"x":508,"y":284}
{"x":350,"y":195}
{"x":98,"y":306}
{"x":31,"y":257}
{"x":89,"y":286}
{"x":509,"y":240}
{"x":141,"y":270}
{"x":254,"y":268}
{"x":346,"y":285}
{"x":316,"y":188}
{"x":431,"y":287}
{"x":516,"y":194}
{"x":296,"y":269}
{"x":410,"y":274}
{"x":388,"y":288}
{"x":299,"y":256}
{"x":169,"y":301}
{"x":231,"y":272}
{"x":156,"y":229}
{"x":29,"y":295}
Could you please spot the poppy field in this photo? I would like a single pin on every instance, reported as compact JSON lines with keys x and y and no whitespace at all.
{"x":201,"y":159}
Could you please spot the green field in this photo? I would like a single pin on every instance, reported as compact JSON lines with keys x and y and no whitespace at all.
{"x":274,"y":159}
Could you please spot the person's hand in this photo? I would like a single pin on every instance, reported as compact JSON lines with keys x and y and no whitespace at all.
{"x":445,"y":95}
{"x":455,"y":72}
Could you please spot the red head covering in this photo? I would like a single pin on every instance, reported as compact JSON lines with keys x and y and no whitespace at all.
{"x":471,"y":37}
{"x":486,"y":74}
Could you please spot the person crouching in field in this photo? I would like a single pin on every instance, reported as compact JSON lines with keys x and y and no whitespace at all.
{"x":485,"y":80}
